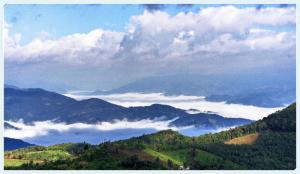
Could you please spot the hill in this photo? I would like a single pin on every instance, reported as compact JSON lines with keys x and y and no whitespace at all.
{"x":277,"y":131}
{"x":12,"y":144}
{"x":170,"y":150}
{"x":32,"y":104}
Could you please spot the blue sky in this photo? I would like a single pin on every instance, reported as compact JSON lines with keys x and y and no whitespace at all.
{"x":32,"y":19}
{"x":90,"y":47}
{"x":61,"y":20}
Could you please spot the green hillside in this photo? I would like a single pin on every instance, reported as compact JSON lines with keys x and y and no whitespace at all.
{"x":272,"y":146}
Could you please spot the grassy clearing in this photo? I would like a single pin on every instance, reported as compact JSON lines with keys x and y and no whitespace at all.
{"x":246,"y":140}
{"x":14,"y":162}
{"x":178,"y":155}
{"x":18,"y":162}
{"x":162,"y":156}
{"x":49,"y":155}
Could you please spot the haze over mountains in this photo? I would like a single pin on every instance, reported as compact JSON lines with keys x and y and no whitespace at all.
{"x":275,"y":90}
{"x":51,"y":113}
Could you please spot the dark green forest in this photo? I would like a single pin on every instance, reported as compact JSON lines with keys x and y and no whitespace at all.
{"x":273,"y":147}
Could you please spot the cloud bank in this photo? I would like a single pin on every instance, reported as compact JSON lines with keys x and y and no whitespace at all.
{"x":184,"y":102}
{"x":49,"y":133}
{"x":41,"y":128}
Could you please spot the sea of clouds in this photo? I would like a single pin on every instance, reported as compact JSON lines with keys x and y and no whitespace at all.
{"x":49,"y":132}
{"x":183,"y":102}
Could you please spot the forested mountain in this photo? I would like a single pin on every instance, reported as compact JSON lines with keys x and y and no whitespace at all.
{"x":40,"y":105}
{"x":267,"y":144}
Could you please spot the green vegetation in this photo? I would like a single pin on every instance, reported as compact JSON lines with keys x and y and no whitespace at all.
{"x":178,"y":155}
{"x":18,"y":162}
{"x":36,"y":155}
{"x":273,"y":148}
{"x":163,"y":157}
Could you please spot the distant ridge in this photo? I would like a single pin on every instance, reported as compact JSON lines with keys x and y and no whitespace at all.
{"x":12,"y":144}
{"x":272,"y":91}
{"x":40,"y":105}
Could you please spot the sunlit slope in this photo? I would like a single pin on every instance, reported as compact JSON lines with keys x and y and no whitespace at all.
{"x":246,"y":139}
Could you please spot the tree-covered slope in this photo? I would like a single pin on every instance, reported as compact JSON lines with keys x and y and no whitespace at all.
{"x":274,"y":148}
{"x":280,"y":121}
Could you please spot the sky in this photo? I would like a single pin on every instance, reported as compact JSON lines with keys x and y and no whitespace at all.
{"x":89,"y":47}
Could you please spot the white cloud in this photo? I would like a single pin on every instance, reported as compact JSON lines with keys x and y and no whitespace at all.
{"x":257,"y":40}
{"x":157,"y":30}
{"x":10,"y":42}
{"x":214,"y":40}
{"x":230,"y":18}
{"x":184,"y":102}
{"x":42,"y":128}
{"x":128,"y":97}
{"x":49,"y":133}
{"x":158,"y":35}
{"x":95,"y":46}
{"x":213,"y":19}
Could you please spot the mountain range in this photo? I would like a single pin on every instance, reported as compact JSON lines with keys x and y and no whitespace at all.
{"x":274,"y":90}
{"x":36,"y":104}
{"x":267,"y":144}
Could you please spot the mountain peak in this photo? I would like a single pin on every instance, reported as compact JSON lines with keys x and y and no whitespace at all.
{"x":98,"y":102}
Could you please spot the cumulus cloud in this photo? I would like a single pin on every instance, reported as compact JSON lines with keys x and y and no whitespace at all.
{"x":213,"y":40}
{"x":258,"y":40}
{"x":10,"y":42}
{"x":224,"y":28}
{"x":95,"y":46}
{"x":184,"y":102}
